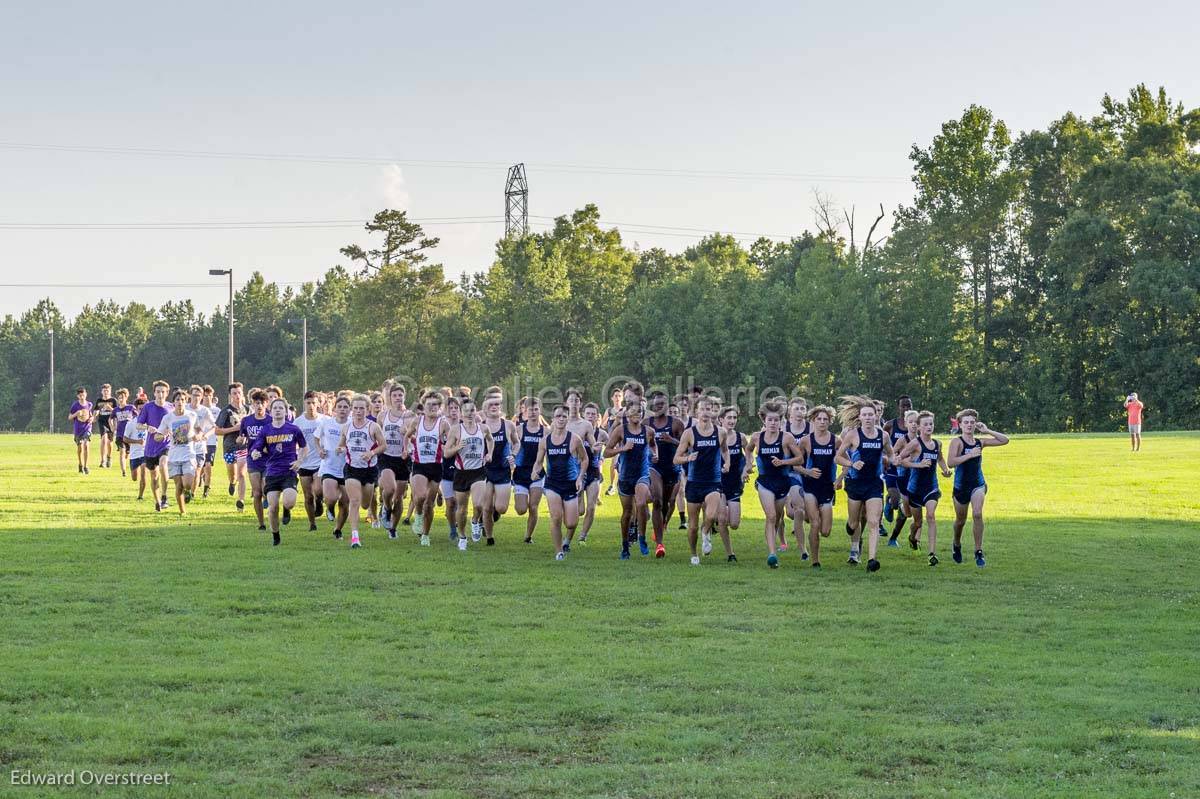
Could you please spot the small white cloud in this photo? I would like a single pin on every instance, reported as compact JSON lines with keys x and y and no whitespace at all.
{"x":393,"y":188}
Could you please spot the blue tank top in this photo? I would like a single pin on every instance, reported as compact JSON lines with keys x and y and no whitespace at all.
{"x":666,"y":450}
{"x":768,"y":472}
{"x":901,"y":471}
{"x":969,"y":474}
{"x":737,"y":458}
{"x":635,"y":463}
{"x":899,"y":431}
{"x":870,"y":452}
{"x":562,"y":468}
{"x":707,"y":466}
{"x":499,"y":446}
{"x":820,"y":456}
{"x":922,"y":481}
{"x":527,"y":453}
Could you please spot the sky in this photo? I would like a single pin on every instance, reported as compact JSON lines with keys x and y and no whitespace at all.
{"x":713,"y":117}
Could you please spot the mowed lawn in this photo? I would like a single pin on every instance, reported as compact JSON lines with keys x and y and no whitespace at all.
{"x":1069,"y":666}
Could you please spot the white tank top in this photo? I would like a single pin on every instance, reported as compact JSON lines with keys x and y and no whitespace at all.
{"x":427,"y":444}
{"x":393,"y":434}
{"x":473,"y":448}
{"x":358,"y":444}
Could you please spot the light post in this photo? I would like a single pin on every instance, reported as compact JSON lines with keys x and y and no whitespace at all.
{"x":304,"y":351}
{"x":217,"y":273}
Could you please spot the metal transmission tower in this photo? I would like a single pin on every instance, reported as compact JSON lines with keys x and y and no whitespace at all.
{"x":516,"y":202}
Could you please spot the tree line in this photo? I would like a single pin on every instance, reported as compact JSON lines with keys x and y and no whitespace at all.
{"x":1038,"y":276}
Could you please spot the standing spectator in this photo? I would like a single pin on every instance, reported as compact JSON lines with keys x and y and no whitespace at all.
{"x":1133,"y":406}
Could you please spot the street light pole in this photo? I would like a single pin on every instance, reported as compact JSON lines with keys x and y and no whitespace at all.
{"x":229,"y":272}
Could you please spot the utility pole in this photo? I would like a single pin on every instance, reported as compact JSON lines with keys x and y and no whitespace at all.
{"x":217,"y":272}
{"x":516,"y":202}
{"x":51,"y":380}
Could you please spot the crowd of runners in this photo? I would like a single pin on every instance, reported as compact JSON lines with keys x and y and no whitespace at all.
{"x":351,"y":458}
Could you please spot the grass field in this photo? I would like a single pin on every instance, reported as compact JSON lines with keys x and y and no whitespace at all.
{"x":1069,"y":666}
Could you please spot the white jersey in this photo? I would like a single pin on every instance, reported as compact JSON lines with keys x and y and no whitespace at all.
{"x":427,"y":443}
{"x":329,"y":432}
{"x":393,"y":434}
{"x":312,"y":458}
{"x":473,"y":448}
{"x":204,"y":421}
{"x":179,"y":430}
{"x":358,"y":443}
{"x":132,"y":430}
{"x":212,"y":431}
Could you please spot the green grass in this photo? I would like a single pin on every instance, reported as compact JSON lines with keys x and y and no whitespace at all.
{"x":1068,"y":667}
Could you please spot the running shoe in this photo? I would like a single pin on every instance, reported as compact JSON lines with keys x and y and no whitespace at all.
{"x":695,"y":560}
{"x":773,"y":560}
{"x":888,"y":511}
{"x":157,"y":506}
{"x":275,"y":539}
{"x":266,"y":503}
{"x":462,"y":544}
{"x":782,"y":546}
{"x":625,"y":553}
{"x":803,"y":556}
{"x":262,"y":528}
{"x":354,"y":542}
{"x":206,"y":492}
{"x":385,"y":517}
{"x":956,"y":553}
{"x":495,"y":516}
{"x":187,"y":497}
{"x":893,"y":543}
{"x":853,"y":559}
{"x":424,"y":540}
{"x":491,"y":542}
{"x":882,"y":532}
{"x":231,"y":489}
{"x":406,"y":520}
{"x":164,"y":500}
{"x":732,"y":558}
{"x":872,"y":565}
{"x":682,"y":523}
{"x":933,"y":561}
{"x":979,"y":561}
{"x":86,"y":470}
{"x":631,"y":534}
{"x":453,"y":533}
{"x":558,"y":556}
{"x":312,"y":528}
{"x":913,"y":541}
{"x":418,"y":526}
{"x":706,"y":544}
{"x":816,"y":564}
{"x":566,"y":546}
{"x":476,"y":531}
{"x":375,"y":524}
{"x":612,"y":489}
{"x":392,"y":533}
{"x":642,"y":545}
{"x":287,"y":516}
{"x":849,"y":531}
{"x":328,"y":513}
{"x":242,"y":506}
{"x":660,"y":552}
{"x":337,"y":534}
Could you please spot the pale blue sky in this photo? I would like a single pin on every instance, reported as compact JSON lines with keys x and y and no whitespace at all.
{"x":825,"y":89}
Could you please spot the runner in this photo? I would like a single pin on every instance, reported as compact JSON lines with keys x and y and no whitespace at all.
{"x":333,"y":464}
{"x":361,"y":441}
{"x":81,"y":417}
{"x":210,"y":444}
{"x":229,"y":427}
{"x":796,"y":510}
{"x":280,"y":447}
{"x":500,"y":464}
{"x":469,"y":444}
{"x":528,"y":491}
{"x":966,"y":457}
{"x":629,"y":440}
{"x":896,"y":429}
{"x":819,"y":448}
{"x":665,"y":474}
{"x":900,"y":477}
{"x":863,"y":452}
{"x":123,"y":414}
{"x":450,"y":468}
{"x":592,"y":480}
{"x":394,"y":465}
{"x":149,"y":418}
{"x":251,"y":425}
{"x":104,"y":410}
{"x":205,"y":422}
{"x":134,"y":438}
{"x":922,"y":456}
{"x":705,"y":450}
{"x":309,"y":422}
{"x":774,"y":451}
{"x":427,"y":432}
{"x":611,"y":416}
{"x":732,"y":482}
{"x":179,"y":427}
{"x":562,"y":452}
{"x":585,"y":431}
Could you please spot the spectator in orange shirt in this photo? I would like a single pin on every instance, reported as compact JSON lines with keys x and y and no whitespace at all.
{"x":1133,"y":406}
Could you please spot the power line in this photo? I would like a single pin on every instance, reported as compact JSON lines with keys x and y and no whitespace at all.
{"x":234,"y":225}
{"x":547,"y":166}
